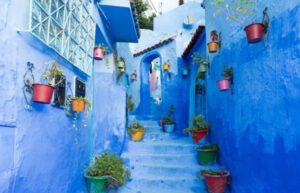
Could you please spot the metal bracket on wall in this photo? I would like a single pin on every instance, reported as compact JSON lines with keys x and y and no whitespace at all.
{"x":203,"y":4}
{"x":266,"y":20}
{"x":208,"y":64}
{"x":69,"y":91}
{"x":28,"y":79}
{"x":220,"y":41}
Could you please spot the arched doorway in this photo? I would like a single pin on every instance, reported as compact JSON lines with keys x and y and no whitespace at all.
{"x":150,"y":91}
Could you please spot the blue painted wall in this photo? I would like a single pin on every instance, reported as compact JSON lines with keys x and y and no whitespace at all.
{"x":257,"y":128}
{"x":38,"y":149}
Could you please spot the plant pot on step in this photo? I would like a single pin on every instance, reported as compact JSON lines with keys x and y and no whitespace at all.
{"x":98,"y":53}
{"x":216,"y":180}
{"x":224,"y":84}
{"x":254,"y":32}
{"x":207,"y":154}
{"x":213,"y":47}
{"x":137,"y":136}
{"x":78,"y":105}
{"x":169,"y":128}
{"x":197,"y":136}
{"x":96,"y":184}
{"x":42,"y":93}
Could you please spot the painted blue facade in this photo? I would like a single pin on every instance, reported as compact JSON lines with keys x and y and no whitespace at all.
{"x":257,"y":127}
{"x":38,"y":148}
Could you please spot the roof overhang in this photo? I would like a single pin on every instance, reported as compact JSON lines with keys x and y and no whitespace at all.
{"x":121,"y":19}
{"x":197,"y":39}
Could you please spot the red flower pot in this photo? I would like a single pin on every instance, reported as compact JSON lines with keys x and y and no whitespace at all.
{"x":216,"y":183}
{"x":255,"y":32}
{"x":197,"y":136}
{"x":98,"y":53}
{"x":42,"y":93}
{"x":223,"y":84}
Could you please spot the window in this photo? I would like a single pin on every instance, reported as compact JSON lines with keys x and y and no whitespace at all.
{"x":67,"y":27}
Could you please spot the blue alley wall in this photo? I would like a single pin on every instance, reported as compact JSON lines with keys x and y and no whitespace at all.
{"x":257,"y":128}
{"x":175,"y":90}
{"x":38,"y":147}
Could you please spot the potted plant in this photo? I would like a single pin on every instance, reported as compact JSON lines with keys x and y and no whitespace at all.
{"x":227,"y":80}
{"x":168,"y":123}
{"x":121,"y":63}
{"x":215,"y":180}
{"x":207,"y":154}
{"x":42,"y":92}
{"x":136,"y":131}
{"x":235,"y":10}
{"x":213,"y":45}
{"x":185,"y":72}
{"x":106,"y":172}
{"x":99,"y":52}
{"x":130,"y":104}
{"x":199,"y":129}
{"x":202,"y":62}
{"x":166,"y":66}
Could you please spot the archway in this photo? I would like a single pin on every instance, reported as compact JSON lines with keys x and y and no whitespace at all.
{"x":150,"y":90}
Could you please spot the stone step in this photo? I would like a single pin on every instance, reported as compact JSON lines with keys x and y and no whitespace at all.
{"x":149,"y":123}
{"x":165,"y":171}
{"x":173,"y":183}
{"x":157,"y":190}
{"x":170,"y":147}
{"x":160,"y":158}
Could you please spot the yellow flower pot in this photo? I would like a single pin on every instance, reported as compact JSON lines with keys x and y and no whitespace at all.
{"x":166,"y":66}
{"x":137,"y":136}
{"x":122,"y":69}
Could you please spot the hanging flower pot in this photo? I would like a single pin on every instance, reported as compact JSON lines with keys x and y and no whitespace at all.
{"x":207,"y":154}
{"x":133,"y":76}
{"x":121,"y":63}
{"x":198,"y":135}
{"x":213,"y":47}
{"x":185,"y":72}
{"x":202,"y":68}
{"x":42,"y":93}
{"x":216,"y":180}
{"x":122,"y":69}
{"x":224,"y":85}
{"x":254,"y":32}
{"x":99,"y":53}
{"x":78,"y":104}
{"x":166,"y":66}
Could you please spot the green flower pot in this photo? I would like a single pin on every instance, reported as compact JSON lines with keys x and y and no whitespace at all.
{"x":96,"y":184}
{"x":206,"y":156}
{"x":202,"y":68}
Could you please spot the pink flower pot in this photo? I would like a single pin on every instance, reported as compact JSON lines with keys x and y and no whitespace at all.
{"x":223,"y":84}
{"x":98,"y":53}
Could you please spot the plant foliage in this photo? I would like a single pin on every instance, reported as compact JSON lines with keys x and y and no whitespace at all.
{"x":199,"y":124}
{"x":130,"y":104}
{"x":111,"y":166}
{"x":135,"y":127}
{"x":168,"y":120}
{"x":50,"y":74}
{"x":144,"y":21}
{"x":213,"y":147}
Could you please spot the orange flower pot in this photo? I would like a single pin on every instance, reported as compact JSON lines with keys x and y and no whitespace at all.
{"x":137,"y":136}
{"x":78,"y":105}
{"x":213,"y":47}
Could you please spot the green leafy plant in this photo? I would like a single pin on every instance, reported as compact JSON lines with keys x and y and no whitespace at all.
{"x":168,"y":120}
{"x":227,"y":73}
{"x":201,"y":76}
{"x":233,"y":9}
{"x":88,"y":104}
{"x":198,"y":59}
{"x":110,"y":166}
{"x":199,"y":124}
{"x":214,"y":172}
{"x":145,"y":22}
{"x":50,"y":74}
{"x":102,"y":46}
{"x":130,"y":104}
{"x":213,"y":147}
{"x":135,"y":127}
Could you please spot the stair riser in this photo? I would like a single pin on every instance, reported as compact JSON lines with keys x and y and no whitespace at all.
{"x":160,"y":149}
{"x":163,"y":160}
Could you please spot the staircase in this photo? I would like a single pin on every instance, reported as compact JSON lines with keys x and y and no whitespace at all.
{"x":163,"y":163}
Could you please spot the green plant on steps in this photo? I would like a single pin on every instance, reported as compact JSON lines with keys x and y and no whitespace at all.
{"x":168,"y":120}
{"x":199,"y":124}
{"x":135,"y":127}
{"x":110,"y":166}
{"x":130,"y":104}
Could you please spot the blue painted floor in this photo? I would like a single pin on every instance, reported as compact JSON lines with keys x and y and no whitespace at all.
{"x":163,"y":163}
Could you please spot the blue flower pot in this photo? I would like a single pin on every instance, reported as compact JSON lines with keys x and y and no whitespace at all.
{"x":169,"y":128}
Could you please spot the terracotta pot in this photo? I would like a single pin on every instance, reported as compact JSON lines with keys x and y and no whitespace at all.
{"x":216,"y":183}
{"x":213,"y":47}
{"x":197,"y":136}
{"x":42,"y":93}
{"x":255,"y":32}
{"x":223,"y":84}
{"x":98,"y":53}
{"x":137,"y":136}
{"x":78,"y":105}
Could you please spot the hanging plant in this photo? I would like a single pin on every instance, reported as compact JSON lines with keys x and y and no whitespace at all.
{"x":133,"y":76}
{"x":121,"y":63}
{"x":185,"y":72}
{"x":42,"y":92}
{"x":99,"y":52}
{"x":227,"y":81}
{"x":236,"y":10}
{"x":200,"y":61}
{"x":75,"y":106}
{"x":166,"y":66}
{"x":213,"y":46}
{"x":130,"y":104}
